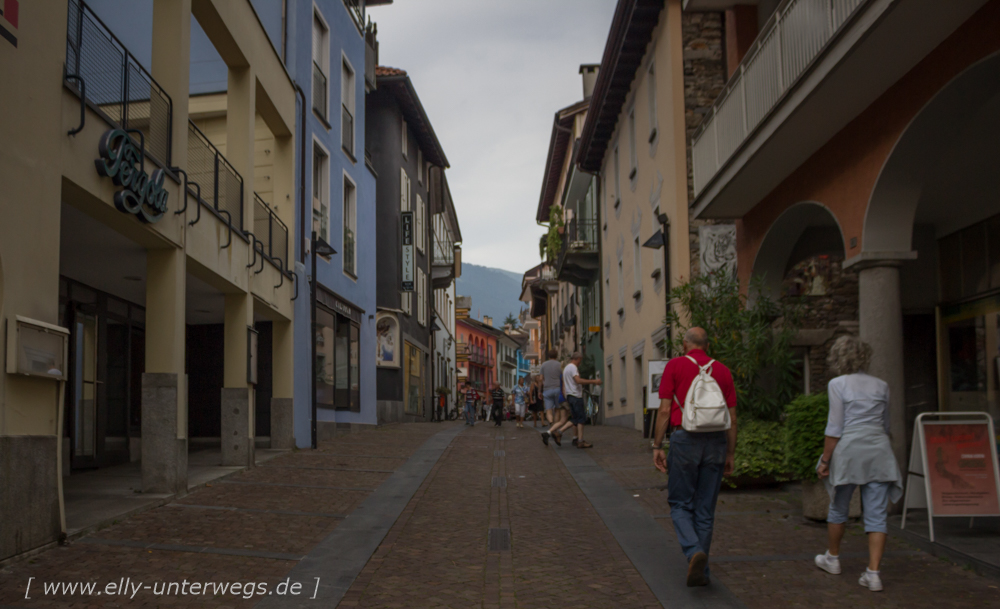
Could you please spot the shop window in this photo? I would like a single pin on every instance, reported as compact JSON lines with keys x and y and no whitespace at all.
{"x":325,"y":325}
{"x":337,"y":362}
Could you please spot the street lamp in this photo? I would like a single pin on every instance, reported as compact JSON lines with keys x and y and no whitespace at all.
{"x":321,"y":247}
{"x":661,"y":238}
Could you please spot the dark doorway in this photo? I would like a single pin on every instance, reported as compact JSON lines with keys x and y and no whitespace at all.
{"x":206,"y":374}
{"x":263,"y":390}
{"x":919,"y":368}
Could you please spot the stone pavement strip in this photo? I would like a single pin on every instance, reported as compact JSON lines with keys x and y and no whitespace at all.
{"x":484,"y":517}
{"x":251,"y":533}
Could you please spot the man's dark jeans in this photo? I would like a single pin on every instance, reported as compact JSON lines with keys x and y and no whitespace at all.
{"x":694,"y":475}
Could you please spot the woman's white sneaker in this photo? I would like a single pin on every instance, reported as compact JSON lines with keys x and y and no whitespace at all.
{"x":830,"y":564}
{"x":871,"y":580}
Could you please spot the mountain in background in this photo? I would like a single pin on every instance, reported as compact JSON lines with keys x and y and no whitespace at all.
{"x":494,"y":292}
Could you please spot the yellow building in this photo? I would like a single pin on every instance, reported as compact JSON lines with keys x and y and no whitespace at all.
{"x":658,"y":66}
{"x":134,"y":313}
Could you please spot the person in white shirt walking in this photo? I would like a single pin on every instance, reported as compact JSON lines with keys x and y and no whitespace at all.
{"x":573,"y":388}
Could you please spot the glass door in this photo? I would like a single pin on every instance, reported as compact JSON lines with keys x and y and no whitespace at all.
{"x":84,"y":387}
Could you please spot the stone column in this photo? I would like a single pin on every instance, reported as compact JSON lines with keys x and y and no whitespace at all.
{"x":880,"y":315}
{"x":164,"y":384}
{"x":237,"y":395}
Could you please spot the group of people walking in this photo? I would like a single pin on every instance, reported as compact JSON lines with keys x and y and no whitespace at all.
{"x":698,"y":413}
{"x":696,"y":390}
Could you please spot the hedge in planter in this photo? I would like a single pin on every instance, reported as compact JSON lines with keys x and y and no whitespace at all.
{"x":759,"y":456}
{"x":805,"y":424}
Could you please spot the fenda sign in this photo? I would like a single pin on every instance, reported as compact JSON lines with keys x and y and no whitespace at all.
{"x":123,"y":162}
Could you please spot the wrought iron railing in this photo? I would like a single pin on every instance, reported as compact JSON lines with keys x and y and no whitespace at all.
{"x":221,"y":185}
{"x":346,"y":129}
{"x":349,"y":252}
{"x":357,"y":10}
{"x":117,"y":86}
{"x":271,"y":232}
{"x":788,"y":43}
{"x":444,"y":245}
{"x":320,"y":91}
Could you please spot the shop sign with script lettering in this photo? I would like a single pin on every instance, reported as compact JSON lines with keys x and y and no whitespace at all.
{"x":122,"y":161}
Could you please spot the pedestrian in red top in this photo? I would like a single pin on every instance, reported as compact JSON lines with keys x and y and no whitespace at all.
{"x":698,"y":460}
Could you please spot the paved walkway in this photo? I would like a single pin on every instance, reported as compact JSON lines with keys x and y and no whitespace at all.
{"x":439,"y":515}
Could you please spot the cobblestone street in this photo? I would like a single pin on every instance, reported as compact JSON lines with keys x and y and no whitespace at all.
{"x":494,"y":519}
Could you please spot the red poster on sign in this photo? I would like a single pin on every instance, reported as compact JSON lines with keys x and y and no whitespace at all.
{"x":960,"y":469}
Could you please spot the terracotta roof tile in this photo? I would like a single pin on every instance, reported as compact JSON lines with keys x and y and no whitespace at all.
{"x":387,"y":71}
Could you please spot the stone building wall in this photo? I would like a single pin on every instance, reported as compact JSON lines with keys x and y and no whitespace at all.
{"x":829,"y":299}
{"x":704,"y":79}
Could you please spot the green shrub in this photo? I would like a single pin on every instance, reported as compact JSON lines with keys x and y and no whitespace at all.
{"x":750,"y":336}
{"x":805,"y":423}
{"x":759,"y":456}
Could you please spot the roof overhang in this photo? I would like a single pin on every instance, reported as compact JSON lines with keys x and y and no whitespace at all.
{"x":631,"y":30}
{"x":402,"y":88}
{"x":714,"y":6}
{"x":560,"y":141}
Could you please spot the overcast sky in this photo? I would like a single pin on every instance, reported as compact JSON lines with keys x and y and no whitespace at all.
{"x":491,"y":75}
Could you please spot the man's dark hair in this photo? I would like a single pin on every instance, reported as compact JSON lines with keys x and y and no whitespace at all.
{"x":552,"y":354}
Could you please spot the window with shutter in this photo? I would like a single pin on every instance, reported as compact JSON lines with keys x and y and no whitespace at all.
{"x":420,"y":223}
{"x":404,"y":190}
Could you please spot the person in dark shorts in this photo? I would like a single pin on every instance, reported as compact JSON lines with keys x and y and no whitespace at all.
{"x":499,"y":396}
{"x":573,"y":387}
{"x":535,"y":398}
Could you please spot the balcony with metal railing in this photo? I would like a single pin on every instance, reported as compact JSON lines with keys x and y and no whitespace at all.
{"x":349,"y":252}
{"x":357,"y":10}
{"x":443,"y":270}
{"x":788,"y":43}
{"x":347,"y":130}
{"x":320,"y":91}
{"x":112,"y":83}
{"x":213,"y":181}
{"x":271,"y":234}
{"x":578,"y":260}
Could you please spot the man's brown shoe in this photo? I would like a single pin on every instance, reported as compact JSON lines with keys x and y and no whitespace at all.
{"x":696,"y":570}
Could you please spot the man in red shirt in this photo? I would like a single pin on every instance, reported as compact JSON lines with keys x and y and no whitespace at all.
{"x":697,"y":460}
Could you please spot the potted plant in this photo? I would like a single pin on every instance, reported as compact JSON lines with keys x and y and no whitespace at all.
{"x":805,"y":424}
{"x":759,"y":460}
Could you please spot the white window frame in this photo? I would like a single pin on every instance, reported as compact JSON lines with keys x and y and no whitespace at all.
{"x":419,"y":224}
{"x":405,"y":137}
{"x":348,"y":93}
{"x":651,"y":86}
{"x":633,"y":157}
{"x":637,"y":264}
{"x":618,"y":179}
{"x":405,"y":190}
{"x":421,"y":296}
{"x":323,"y":48}
{"x":621,"y":286}
{"x":324,"y":190}
{"x":406,"y":302}
{"x":350,"y":221}
{"x":623,"y":390}
{"x":420,"y":166}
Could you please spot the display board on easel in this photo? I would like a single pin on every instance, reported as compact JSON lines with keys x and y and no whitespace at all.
{"x":953,"y":467}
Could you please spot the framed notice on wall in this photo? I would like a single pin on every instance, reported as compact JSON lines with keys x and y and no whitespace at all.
{"x":953,"y":467}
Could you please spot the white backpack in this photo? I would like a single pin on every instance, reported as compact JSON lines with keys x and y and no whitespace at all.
{"x":705,"y":407}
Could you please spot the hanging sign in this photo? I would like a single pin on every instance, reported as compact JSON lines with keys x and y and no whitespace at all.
{"x":953,"y":467}
{"x":407,"y":217}
{"x":141,"y":194}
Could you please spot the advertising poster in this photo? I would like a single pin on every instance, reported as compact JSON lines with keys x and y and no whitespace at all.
{"x":961,"y":469}
{"x":654,"y":373}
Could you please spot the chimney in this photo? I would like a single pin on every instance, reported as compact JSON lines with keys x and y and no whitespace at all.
{"x":488,"y":320}
{"x":589,"y":71}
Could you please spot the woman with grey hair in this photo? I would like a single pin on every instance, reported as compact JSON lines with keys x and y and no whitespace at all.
{"x":857,"y":452}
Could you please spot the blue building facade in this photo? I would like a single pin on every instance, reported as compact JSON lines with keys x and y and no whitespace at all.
{"x":523,"y":365}
{"x":325,"y":52}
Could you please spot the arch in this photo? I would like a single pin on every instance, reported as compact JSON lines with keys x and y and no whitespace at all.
{"x":951,"y":126}
{"x":805,"y":229}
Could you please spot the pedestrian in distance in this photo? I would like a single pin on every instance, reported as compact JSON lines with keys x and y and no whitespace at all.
{"x":857,"y":451}
{"x":471,"y":395}
{"x":499,"y":396}
{"x":535,"y":397}
{"x":573,"y":387}
{"x":698,"y":400}
{"x":551,"y":372}
{"x":520,"y":394}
